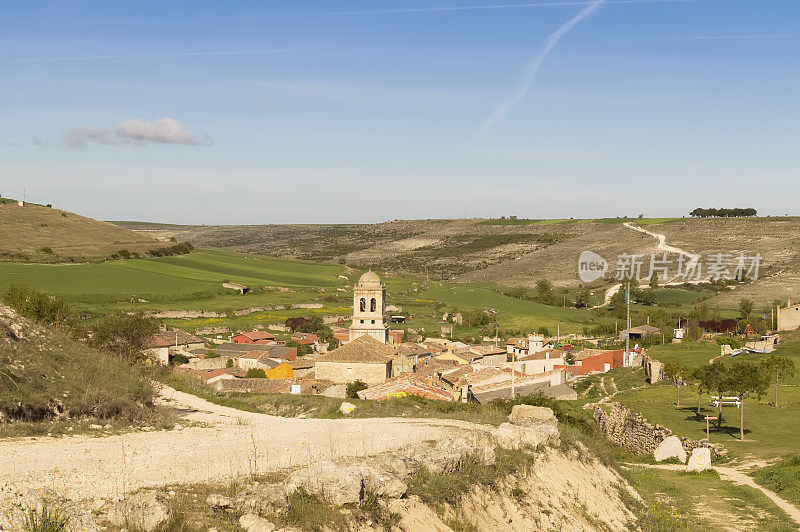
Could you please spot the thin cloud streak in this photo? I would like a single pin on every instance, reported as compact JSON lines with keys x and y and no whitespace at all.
{"x":532,"y":68}
{"x":735,"y":37}
{"x":438,"y":9}
{"x":136,"y":56}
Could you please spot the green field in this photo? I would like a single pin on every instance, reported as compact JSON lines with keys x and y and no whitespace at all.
{"x":193,"y":282}
{"x":769,"y":432}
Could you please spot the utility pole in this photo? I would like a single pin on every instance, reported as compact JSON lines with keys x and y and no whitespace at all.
{"x":513,"y":374}
{"x":627,"y":361}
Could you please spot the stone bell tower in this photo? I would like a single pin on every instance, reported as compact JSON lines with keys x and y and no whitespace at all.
{"x":369,"y":297}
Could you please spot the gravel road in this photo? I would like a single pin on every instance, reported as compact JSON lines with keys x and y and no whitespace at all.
{"x":229,"y":443}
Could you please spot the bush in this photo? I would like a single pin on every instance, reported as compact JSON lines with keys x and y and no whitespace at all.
{"x":255,"y":373}
{"x":354,"y":387}
{"x":123,"y":334}
{"x":45,"y":249}
{"x":42,"y":308}
{"x":45,"y":520}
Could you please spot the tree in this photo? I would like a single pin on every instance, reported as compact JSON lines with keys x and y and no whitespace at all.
{"x":123,"y":334}
{"x":679,"y":374}
{"x":544,"y":292}
{"x":229,"y":363}
{"x":699,"y":378}
{"x":713,"y":380}
{"x":647,"y":297}
{"x":654,"y":281}
{"x":745,"y":308}
{"x":354,"y":387}
{"x":583,"y":299}
{"x":256,"y":373}
{"x":745,"y":379}
{"x":777,"y":370}
{"x":302,"y":349}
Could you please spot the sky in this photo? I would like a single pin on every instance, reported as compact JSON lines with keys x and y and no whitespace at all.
{"x":352,"y":111}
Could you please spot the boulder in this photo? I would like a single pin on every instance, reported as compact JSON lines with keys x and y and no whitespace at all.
{"x":335,"y":483}
{"x":383,"y":482}
{"x":219,"y":501}
{"x":512,"y":436}
{"x":347,"y":408}
{"x":700,"y":460}
{"x":480,"y":437}
{"x":261,"y":499}
{"x":670,"y":447}
{"x":145,"y":510}
{"x":254,"y":523}
{"x":530,"y":416}
{"x":448,"y":454}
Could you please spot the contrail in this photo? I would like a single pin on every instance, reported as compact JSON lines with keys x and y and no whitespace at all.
{"x":131,"y":56}
{"x":525,"y":5}
{"x":533,"y":66}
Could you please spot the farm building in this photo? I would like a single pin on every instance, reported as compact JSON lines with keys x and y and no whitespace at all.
{"x":242,"y":289}
{"x":541,"y":362}
{"x":595,"y":361}
{"x":255,"y":337}
{"x":365,"y":358}
{"x":639,"y":332}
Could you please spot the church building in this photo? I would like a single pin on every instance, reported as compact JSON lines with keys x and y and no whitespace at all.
{"x":369,"y":300}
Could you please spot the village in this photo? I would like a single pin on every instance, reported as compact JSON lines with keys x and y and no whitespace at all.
{"x":374,"y":362}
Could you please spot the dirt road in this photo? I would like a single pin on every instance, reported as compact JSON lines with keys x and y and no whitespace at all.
{"x":229,"y":443}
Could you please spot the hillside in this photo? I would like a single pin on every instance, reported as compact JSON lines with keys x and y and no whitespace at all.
{"x":47,"y":376}
{"x":27,"y":233}
{"x":514,"y":252}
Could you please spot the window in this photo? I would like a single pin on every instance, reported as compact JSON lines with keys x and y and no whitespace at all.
{"x":373,"y":322}
{"x":372,"y":305}
{"x":362,"y":321}
{"x":363,"y":304}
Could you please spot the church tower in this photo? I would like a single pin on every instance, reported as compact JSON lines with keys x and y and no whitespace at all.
{"x":369,"y":296}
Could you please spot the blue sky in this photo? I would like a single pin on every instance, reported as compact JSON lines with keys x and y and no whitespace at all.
{"x":363,"y":111}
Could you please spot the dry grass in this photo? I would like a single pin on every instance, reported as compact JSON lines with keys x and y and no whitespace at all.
{"x":43,"y":234}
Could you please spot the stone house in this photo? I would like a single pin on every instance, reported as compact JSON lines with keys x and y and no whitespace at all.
{"x":788,"y":317}
{"x":365,"y":358}
{"x":407,"y":384}
{"x":255,"y":337}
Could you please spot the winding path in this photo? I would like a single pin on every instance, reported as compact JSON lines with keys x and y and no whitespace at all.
{"x":661,"y":246}
{"x":737,"y":477}
{"x":221,"y":443}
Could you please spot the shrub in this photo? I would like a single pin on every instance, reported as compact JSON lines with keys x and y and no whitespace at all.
{"x":45,"y":249}
{"x":45,"y":520}
{"x":42,"y":308}
{"x":256,"y":373}
{"x":123,"y":334}
{"x":354,"y":387}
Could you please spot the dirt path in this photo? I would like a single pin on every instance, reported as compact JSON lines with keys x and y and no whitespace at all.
{"x":661,"y":246}
{"x":737,"y":477}
{"x":221,"y":443}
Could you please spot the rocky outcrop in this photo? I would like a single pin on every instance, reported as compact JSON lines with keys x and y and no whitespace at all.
{"x":17,"y":502}
{"x":145,"y":510}
{"x":700,"y":460}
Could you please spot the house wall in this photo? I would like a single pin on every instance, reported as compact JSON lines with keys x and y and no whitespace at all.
{"x":494,"y":360}
{"x":534,"y":367}
{"x":345,"y":372}
{"x":159,"y":354}
{"x":789,"y":318}
{"x":240,"y":339}
{"x":282,"y":371}
{"x":247,"y":363}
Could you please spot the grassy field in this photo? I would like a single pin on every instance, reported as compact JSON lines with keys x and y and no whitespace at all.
{"x":770,"y":432}
{"x":677,"y":500}
{"x":193,"y":282}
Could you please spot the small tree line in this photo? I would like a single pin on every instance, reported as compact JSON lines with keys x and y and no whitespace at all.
{"x":723,"y":213}
{"x":745,"y":380}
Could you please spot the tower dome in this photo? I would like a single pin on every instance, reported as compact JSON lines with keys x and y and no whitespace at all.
{"x":369,"y":280}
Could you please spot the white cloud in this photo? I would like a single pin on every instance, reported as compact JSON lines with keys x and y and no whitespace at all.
{"x":138,"y":132}
{"x":80,"y":136}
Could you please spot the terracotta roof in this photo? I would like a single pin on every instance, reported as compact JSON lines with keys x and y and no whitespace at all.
{"x":410,"y":384}
{"x":542,"y":355}
{"x":410,"y":349}
{"x":485,"y":350}
{"x":257,"y":335}
{"x":365,"y":349}
{"x":168,"y":337}
{"x":156,"y":341}
{"x":302,"y":363}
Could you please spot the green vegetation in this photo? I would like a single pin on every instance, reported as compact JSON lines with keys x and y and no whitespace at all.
{"x":42,"y":308}
{"x":45,"y":519}
{"x":783,"y":478}
{"x":256,"y":373}
{"x":354,"y":387}
{"x":676,"y":500}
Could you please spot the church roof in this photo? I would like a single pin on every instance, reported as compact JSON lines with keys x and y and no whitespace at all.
{"x":369,"y":280}
{"x":364,"y":349}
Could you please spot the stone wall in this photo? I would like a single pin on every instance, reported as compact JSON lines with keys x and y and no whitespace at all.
{"x":633,"y":432}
